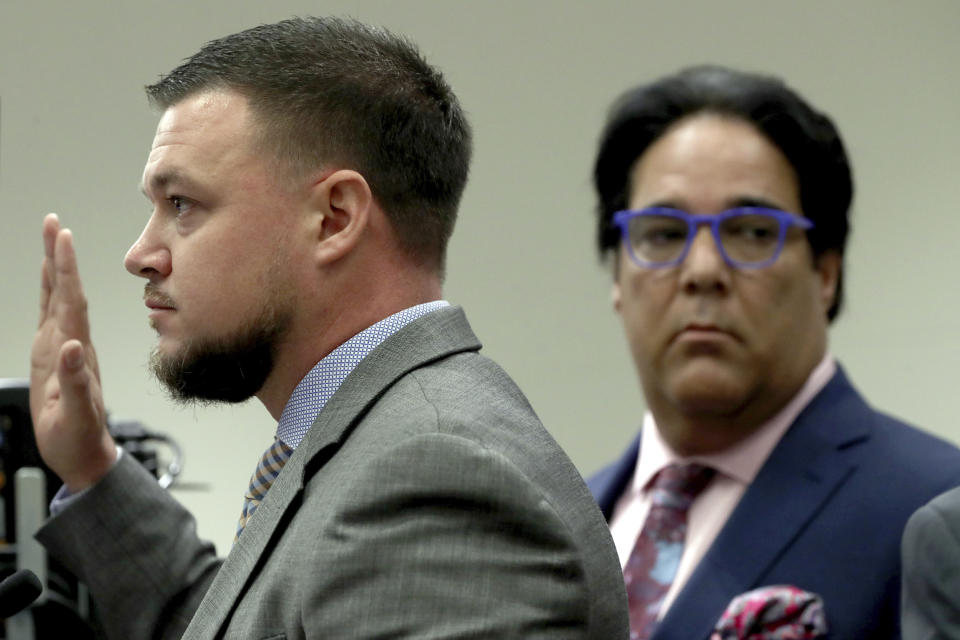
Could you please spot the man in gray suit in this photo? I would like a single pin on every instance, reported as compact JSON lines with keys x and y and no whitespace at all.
{"x":931,"y":570}
{"x":305,"y":177}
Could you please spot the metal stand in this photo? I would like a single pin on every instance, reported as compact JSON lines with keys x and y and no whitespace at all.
{"x":31,"y":511}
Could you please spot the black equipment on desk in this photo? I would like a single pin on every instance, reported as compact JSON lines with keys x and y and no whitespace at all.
{"x":63,"y":609}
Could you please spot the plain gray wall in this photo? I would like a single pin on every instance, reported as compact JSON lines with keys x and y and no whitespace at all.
{"x":536,"y":78}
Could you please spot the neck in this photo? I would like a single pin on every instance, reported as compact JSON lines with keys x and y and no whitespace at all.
{"x":690,"y":435}
{"x":705,"y":429}
{"x":324,"y":329}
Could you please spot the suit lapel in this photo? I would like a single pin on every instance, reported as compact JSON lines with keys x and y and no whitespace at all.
{"x":802,"y":472}
{"x":608,"y":484}
{"x":431,"y":337}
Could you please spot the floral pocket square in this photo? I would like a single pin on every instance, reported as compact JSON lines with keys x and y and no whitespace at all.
{"x":781,"y":612}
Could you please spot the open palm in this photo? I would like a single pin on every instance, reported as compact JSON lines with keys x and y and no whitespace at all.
{"x":66,"y":400}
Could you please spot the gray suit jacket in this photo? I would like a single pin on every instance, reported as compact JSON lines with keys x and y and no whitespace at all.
{"x":931,"y":570}
{"x":426,"y":501}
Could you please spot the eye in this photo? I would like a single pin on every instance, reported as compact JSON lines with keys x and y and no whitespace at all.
{"x":663,"y":236}
{"x":752,"y":228}
{"x":757,"y":232}
{"x":657,"y":231}
{"x":180,"y":204}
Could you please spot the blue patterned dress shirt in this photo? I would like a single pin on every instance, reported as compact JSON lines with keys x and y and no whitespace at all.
{"x":317,"y":387}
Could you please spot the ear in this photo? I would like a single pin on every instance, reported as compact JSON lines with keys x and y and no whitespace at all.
{"x":616,"y":293}
{"x":615,"y":297}
{"x":344,"y":203}
{"x":828,"y":266}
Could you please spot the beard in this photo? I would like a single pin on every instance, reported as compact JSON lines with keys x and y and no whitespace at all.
{"x":230,"y":368}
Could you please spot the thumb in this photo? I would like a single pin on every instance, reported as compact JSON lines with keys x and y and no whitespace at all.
{"x":83,"y":451}
{"x":75,"y":379}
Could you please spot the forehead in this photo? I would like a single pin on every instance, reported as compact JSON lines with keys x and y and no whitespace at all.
{"x":709,"y":162}
{"x":207,"y":132}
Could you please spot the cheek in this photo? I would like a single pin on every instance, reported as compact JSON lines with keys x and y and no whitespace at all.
{"x":648,"y":292}
{"x":214,"y":280}
{"x":781,"y":309}
{"x":644,"y":308}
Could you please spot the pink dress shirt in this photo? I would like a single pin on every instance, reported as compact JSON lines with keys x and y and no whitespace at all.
{"x":736,"y":468}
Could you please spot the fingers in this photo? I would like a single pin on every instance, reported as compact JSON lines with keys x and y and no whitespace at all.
{"x":66,"y":401}
{"x":45,"y":287}
{"x":71,"y":303}
{"x":51,"y":229}
{"x":63,"y":312}
{"x":62,"y":296}
{"x":51,"y":226}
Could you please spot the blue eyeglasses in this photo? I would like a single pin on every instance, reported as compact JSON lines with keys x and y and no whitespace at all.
{"x":748,"y":237}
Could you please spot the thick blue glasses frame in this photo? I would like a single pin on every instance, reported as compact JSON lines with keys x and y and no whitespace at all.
{"x":784,"y":219}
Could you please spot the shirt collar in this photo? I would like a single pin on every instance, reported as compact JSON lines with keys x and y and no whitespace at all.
{"x":318,"y":386}
{"x":743,"y":460}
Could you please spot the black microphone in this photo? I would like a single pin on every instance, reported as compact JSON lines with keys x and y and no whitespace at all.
{"x":18,"y":591}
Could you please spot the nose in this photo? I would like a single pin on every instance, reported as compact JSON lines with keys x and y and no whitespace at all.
{"x":149,"y":257}
{"x":704,"y":270}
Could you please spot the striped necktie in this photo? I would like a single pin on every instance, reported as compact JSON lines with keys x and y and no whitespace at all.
{"x":267,"y":471}
{"x":656,"y":556}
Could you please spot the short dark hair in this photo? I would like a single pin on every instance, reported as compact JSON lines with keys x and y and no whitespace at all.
{"x":807,"y":138}
{"x":336,"y":90}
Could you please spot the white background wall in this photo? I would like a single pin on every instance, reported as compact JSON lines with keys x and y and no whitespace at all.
{"x":536,"y":78}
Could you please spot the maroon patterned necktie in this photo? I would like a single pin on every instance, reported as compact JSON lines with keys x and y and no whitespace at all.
{"x":655,"y":557}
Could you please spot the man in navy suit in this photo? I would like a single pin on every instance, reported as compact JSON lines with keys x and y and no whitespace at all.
{"x":723,"y":201}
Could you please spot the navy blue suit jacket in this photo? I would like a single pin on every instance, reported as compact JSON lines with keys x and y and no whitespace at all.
{"x":825,"y":513}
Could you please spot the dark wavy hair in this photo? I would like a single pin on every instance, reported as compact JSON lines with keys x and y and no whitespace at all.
{"x":807,"y":137}
{"x":333,"y":90}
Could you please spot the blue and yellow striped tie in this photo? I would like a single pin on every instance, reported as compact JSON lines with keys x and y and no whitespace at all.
{"x":267,"y":471}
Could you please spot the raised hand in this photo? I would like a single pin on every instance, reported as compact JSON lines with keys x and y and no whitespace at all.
{"x":66,"y":400}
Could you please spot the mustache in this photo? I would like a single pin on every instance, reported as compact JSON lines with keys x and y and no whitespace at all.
{"x":153,"y":293}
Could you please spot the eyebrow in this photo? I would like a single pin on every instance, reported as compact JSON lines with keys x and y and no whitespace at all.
{"x":162,"y":179}
{"x":749,"y":201}
{"x":733,"y":203}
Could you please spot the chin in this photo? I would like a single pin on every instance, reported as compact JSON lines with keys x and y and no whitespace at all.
{"x":709,"y":390}
{"x":228,"y":368}
{"x":169,"y":348}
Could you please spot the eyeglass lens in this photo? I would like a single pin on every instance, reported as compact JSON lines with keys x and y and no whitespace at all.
{"x":746,"y":238}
